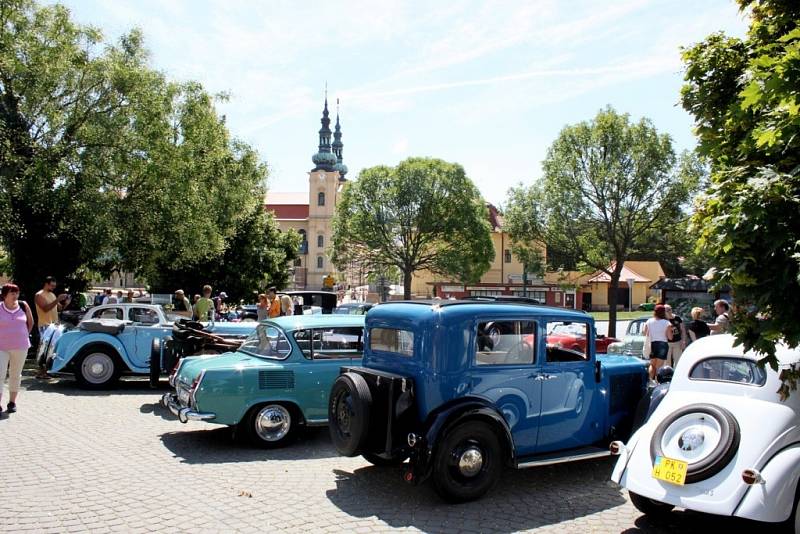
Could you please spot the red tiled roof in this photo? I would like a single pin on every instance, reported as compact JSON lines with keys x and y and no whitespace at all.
{"x":288,"y":211}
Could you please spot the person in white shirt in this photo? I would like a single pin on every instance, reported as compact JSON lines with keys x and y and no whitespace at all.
{"x":659,"y":330}
{"x":722,"y":324}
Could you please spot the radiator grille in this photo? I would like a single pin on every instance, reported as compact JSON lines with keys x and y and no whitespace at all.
{"x":276,"y":380}
{"x":626,"y":390}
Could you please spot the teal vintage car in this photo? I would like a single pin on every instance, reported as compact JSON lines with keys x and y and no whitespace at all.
{"x":275,"y":383}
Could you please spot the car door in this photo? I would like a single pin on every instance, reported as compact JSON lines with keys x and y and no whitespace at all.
{"x":143,"y":329}
{"x":326,"y":350}
{"x":505,"y":371}
{"x":569,"y":417}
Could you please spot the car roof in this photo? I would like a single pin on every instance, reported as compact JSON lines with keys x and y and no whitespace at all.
{"x":301,"y":322}
{"x":474,"y":307}
{"x":724,"y":345}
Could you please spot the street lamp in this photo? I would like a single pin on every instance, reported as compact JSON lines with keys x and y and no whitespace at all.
{"x":630,"y":293}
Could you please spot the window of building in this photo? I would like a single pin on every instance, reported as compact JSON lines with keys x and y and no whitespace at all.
{"x":484,"y":292}
{"x":321,"y":198}
{"x":320,"y":241}
{"x":298,"y":262}
{"x":320,"y":262}
{"x":505,"y":343}
{"x":507,"y":255}
{"x":540,"y":296}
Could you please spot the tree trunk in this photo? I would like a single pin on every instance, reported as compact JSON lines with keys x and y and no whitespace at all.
{"x":407,"y":283}
{"x":612,"y":304}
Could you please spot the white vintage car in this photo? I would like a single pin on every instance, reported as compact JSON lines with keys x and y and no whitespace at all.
{"x":721,"y":441}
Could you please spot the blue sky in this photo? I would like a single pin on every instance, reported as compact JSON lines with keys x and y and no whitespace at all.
{"x":485,"y":84}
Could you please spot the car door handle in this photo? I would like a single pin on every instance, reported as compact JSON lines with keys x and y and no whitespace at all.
{"x":544,"y":376}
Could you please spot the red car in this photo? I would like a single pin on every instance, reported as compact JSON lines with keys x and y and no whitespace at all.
{"x":573,"y":336}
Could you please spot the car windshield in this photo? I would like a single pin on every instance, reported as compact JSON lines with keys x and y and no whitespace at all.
{"x":729,"y":369}
{"x":267,"y":341}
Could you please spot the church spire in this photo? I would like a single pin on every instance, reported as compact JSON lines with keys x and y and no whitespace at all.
{"x":324,"y":159}
{"x":338,"y":145}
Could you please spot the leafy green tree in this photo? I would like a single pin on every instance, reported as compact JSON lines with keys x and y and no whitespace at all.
{"x":255,"y":257}
{"x":608,"y":183}
{"x":105,"y":164}
{"x":423,"y":214}
{"x":744,"y":96}
{"x":521,"y":221}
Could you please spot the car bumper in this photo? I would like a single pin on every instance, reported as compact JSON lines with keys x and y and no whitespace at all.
{"x":184,"y":413}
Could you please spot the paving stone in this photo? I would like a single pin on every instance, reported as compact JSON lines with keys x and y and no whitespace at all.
{"x":97,"y":462}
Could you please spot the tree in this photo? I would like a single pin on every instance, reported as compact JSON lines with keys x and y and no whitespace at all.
{"x":743,"y":95}
{"x":520,"y":222}
{"x":104,"y":163}
{"x":608,"y":183}
{"x":254,"y":257}
{"x":424,"y":214}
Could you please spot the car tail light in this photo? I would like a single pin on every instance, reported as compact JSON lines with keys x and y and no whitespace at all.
{"x":195,"y":386}
{"x":752,"y":476}
{"x":174,"y":374}
{"x":616,"y":447}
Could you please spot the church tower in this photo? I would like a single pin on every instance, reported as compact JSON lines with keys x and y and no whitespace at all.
{"x":324,"y":184}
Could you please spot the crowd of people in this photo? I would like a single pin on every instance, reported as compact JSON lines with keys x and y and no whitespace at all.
{"x":668,"y":336}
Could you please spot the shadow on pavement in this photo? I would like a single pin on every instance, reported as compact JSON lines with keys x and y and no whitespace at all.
{"x":688,"y":522}
{"x":66,"y":385}
{"x":523,"y":499}
{"x":220,"y":445}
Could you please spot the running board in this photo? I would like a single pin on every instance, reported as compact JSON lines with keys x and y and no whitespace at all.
{"x":586,"y":453}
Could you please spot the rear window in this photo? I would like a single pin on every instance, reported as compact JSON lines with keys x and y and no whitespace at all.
{"x":735,"y":370}
{"x":392,"y":340}
{"x":268,"y":342}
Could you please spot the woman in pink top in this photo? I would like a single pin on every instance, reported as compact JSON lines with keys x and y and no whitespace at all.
{"x":16,"y":322}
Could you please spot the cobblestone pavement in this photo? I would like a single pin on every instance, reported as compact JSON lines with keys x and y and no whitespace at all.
{"x":76,"y":461}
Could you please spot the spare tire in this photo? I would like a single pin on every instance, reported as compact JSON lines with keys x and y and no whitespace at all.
{"x":348,"y":413}
{"x":705,"y":436}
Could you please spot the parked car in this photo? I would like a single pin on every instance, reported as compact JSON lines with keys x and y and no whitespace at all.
{"x":722,"y":441}
{"x":435,"y":388}
{"x":633,"y":342}
{"x":353,"y":308}
{"x":116,"y":339}
{"x":574,"y":335}
{"x":275,"y":383}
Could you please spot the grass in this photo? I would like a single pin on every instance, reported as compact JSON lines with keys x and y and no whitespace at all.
{"x":621,"y":315}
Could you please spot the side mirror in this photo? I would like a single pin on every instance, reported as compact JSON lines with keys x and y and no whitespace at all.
{"x":598,"y":371}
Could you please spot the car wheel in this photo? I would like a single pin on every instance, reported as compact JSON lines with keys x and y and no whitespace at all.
{"x":467,"y":462}
{"x":96,"y":369}
{"x":705,"y":436}
{"x":380,"y":461}
{"x":348,"y":413}
{"x":650,"y":507}
{"x":155,"y":362}
{"x":270,"y":426}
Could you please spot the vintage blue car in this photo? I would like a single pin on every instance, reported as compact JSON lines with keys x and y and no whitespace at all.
{"x":125,"y":339}
{"x":275,"y":383}
{"x":437,"y":387}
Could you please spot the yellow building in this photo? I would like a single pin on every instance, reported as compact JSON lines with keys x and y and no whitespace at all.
{"x":311,"y":213}
{"x":592,"y":289}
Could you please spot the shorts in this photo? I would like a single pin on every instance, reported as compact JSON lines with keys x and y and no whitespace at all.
{"x":659,"y":349}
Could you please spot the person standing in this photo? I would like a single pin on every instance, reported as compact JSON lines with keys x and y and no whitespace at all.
{"x":262,"y":308}
{"x":107,"y":298}
{"x":659,"y":330}
{"x":182,"y":305}
{"x":697,"y":328}
{"x":274,"y":303}
{"x":678,"y":342}
{"x":47,"y":307}
{"x":16,"y":322}
{"x":722,"y":324}
{"x":205,"y":306}
{"x":287,"y":307}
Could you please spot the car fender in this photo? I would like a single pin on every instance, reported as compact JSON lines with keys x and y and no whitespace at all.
{"x":67,"y":354}
{"x":452,"y":413}
{"x":773,"y":500}
{"x":255,"y":401}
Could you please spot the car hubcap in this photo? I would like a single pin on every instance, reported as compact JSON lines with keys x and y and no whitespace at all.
{"x":273,"y":423}
{"x":343,"y":414}
{"x":470,"y":462}
{"x":691,"y":437}
{"x":97,"y":368}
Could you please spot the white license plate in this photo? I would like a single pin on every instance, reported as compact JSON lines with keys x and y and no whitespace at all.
{"x":183,"y":396}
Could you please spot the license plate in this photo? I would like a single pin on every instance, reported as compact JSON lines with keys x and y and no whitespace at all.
{"x":669,"y":470}
{"x":183,"y":396}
